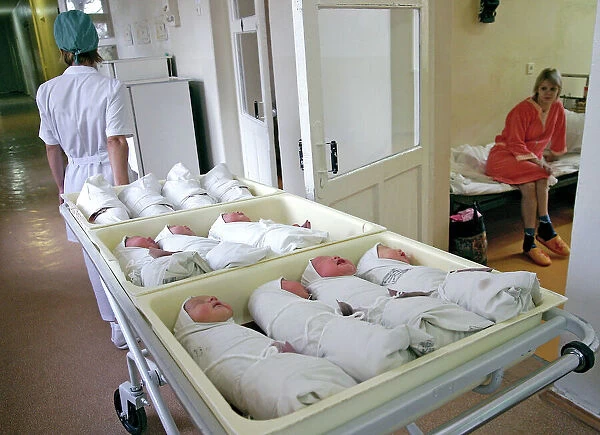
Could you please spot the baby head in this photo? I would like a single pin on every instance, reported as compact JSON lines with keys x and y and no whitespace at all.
{"x":295,"y":287}
{"x":328,"y":266}
{"x":140,"y":242}
{"x":392,"y":254}
{"x":235,"y":216}
{"x":207,"y":309}
{"x":183,"y":230}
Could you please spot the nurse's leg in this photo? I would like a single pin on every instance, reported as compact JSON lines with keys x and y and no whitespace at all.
{"x":106,"y":311}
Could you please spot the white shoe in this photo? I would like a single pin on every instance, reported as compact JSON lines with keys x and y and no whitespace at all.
{"x":117,"y":336}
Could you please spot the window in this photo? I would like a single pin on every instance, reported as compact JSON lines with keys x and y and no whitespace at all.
{"x":99,"y":12}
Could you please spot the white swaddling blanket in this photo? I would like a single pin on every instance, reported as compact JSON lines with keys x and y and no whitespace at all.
{"x":185,"y":191}
{"x":445,"y":321}
{"x":99,"y":203}
{"x":221,"y":185}
{"x":218,"y":254}
{"x":398,"y":275}
{"x":495,"y":296}
{"x":142,"y":197}
{"x":250,"y":372}
{"x":280,"y":238}
{"x":144,"y":270}
{"x":361,"y":349}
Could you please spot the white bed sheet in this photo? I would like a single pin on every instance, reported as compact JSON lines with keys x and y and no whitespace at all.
{"x":467,"y":162}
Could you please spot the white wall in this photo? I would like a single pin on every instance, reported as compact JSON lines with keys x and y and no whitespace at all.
{"x":583,"y":276}
{"x":201,"y":47}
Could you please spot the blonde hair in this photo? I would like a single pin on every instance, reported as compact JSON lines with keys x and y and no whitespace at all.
{"x":550,"y":74}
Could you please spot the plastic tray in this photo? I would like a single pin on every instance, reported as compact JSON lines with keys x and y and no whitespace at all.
{"x":162,"y":307}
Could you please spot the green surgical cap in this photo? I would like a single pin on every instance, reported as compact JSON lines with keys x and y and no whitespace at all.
{"x":75,"y":32}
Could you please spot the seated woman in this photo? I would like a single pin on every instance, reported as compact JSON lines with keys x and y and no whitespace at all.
{"x":142,"y":197}
{"x":280,"y":238}
{"x":185,"y":191}
{"x":495,"y":296}
{"x":284,"y":313}
{"x":332,"y":279}
{"x":218,"y":254}
{"x":220,"y":184}
{"x":99,"y":203}
{"x":145,"y":264}
{"x":262,"y":378}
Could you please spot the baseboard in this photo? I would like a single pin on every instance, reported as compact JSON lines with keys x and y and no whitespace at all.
{"x":571,"y":408}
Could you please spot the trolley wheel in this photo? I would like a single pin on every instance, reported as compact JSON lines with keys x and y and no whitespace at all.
{"x":581,"y":349}
{"x":135,"y":422}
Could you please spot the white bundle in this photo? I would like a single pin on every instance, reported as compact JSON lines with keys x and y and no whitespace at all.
{"x":99,"y":203}
{"x":280,"y":238}
{"x":220,"y":184}
{"x":314,"y":328}
{"x":143,"y":198}
{"x":144,"y":270}
{"x":185,"y":191}
{"x":252,"y":375}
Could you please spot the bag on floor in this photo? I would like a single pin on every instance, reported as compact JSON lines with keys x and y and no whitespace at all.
{"x":467,"y":235}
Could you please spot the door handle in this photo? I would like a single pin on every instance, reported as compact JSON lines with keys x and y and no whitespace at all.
{"x":334,"y":156}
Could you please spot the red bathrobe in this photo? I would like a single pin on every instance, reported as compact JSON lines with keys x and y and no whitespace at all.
{"x":526,"y":134}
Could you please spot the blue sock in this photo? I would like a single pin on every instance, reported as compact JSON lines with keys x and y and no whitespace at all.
{"x":529,"y":241}
{"x":545,"y":219}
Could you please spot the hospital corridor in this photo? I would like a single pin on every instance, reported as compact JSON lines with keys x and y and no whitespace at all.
{"x":60,"y":369}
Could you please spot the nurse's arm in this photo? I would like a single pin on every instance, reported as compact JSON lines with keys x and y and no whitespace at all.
{"x":118,"y":153}
{"x":56,"y":162}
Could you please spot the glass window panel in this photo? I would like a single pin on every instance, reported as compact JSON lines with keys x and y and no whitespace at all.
{"x":87,"y":6}
{"x":370,"y":82}
{"x":102,"y":29}
{"x":249,"y":69}
{"x":243,"y":8}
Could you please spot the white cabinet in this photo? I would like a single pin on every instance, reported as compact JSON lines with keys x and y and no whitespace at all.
{"x":164,"y":126}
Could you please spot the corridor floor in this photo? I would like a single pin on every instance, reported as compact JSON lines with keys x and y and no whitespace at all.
{"x":59,"y":367}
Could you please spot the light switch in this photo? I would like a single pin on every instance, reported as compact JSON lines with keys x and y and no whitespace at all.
{"x":530,"y":68}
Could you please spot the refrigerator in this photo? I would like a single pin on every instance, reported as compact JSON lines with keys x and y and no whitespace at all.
{"x":162,"y":113}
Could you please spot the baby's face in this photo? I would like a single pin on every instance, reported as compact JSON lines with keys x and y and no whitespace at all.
{"x":327,"y":266}
{"x":183,"y":230}
{"x":208,"y":309}
{"x":141,"y":242}
{"x":235,"y":216}
{"x":295,"y":287}
{"x":393,"y":254}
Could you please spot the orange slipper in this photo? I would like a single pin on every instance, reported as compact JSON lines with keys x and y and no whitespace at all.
{"x":538,"y":256}
{"x":556,"y":245}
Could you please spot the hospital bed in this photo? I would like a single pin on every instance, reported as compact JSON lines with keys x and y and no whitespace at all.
{"x":382,"y":404}
{"x":468,"y":182}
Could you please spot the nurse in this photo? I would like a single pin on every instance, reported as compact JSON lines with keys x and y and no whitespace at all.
{"x":85,"y":116}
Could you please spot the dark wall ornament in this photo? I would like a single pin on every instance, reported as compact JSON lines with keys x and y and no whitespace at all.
{"x":487,"y":10}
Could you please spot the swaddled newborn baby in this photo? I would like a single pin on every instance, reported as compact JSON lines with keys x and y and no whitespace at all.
{"x":99,"y":203}
{"x":221,"y":185}
{"x":495,"y":296}
{"x":361,"y":349}
{"x":145,"y":264}
{"x":332,"y":279}
{"x":262,"y":378}
{"x":185,"y":191}
{"x":218,"y":254}
{"x":280,"y":238}
{"x":142,"y":197}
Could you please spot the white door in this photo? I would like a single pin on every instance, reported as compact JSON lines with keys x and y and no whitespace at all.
{"x":249,"y":40}
{"x":362,"y":72}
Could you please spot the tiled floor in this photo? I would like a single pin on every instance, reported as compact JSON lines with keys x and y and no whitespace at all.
{"x":59,"y":367}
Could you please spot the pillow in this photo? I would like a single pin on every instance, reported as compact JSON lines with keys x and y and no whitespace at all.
{"x":574,"y":123}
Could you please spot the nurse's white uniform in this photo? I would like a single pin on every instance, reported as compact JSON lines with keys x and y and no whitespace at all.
{"x":79,"y":110}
